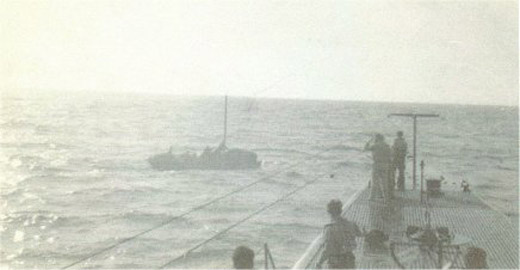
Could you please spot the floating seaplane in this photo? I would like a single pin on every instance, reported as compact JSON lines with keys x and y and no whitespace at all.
{"x":222,"y":158}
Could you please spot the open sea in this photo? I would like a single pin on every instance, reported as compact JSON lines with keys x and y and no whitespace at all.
{"x":74,"y":179}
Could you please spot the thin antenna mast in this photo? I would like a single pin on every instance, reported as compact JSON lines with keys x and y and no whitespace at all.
{"x":414,"y":117}
{"x":225,"y":120}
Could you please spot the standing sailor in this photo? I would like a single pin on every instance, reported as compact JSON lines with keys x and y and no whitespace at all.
{"x":400,"y":149}
{"x":340,"y":240}
{"x":382,"y":156}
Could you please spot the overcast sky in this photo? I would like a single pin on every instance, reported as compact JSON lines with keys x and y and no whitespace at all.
{"x":411,"y":51}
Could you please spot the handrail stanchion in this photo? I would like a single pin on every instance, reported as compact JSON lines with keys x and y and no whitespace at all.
{"x":266,"y":262}
{"x":271,"y":259}
{"x":422,"y":179}
{"x":268,"y":257}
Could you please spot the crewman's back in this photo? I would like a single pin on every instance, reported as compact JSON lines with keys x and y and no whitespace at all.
{"x":381,"y":153}
{"x":341,"y":236}
{"x":400,"y":147}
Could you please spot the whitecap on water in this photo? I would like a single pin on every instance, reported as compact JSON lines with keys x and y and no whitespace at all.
{"x":15,"y":163}
{"x":94,"y":172}
{"x":18,"y":236}
{"x":34,"y":219}
{"x":14,"y":255}
{"x":58,"y":162}
{"x":29,"y":196}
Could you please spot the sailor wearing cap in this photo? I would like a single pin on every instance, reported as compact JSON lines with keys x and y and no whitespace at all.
{"x":382,"y":156}
{"x":339,"y":239}
{"x":400,"y":149}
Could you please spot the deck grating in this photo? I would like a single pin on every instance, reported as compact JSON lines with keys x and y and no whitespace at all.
{"x":462,"y":213}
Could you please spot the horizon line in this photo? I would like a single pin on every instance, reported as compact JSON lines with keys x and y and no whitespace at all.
{"x":164,"y":93}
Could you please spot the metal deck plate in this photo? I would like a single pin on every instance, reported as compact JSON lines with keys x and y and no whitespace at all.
{"x":462,"y":213}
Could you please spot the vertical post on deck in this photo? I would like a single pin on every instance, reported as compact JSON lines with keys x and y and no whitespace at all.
{"x":414,"y":117}
{"x":266,"y":262}
{"x":414,"y":151}
{"x":225,"y":120}
{"x":422,"y":179}
{"x":271,"y":259}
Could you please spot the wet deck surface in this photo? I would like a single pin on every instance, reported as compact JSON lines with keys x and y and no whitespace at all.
{"x":464,"y":214}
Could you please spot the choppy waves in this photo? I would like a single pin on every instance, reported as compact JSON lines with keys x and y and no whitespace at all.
{"x":80,"y":182}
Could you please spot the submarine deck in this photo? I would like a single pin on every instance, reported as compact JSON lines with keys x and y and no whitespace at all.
{"x":462,"y":213}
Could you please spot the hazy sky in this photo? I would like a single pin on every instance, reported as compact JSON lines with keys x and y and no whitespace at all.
{"x":417,"y":51}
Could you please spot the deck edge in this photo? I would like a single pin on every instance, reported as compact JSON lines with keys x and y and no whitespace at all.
{"x":316,"y":243}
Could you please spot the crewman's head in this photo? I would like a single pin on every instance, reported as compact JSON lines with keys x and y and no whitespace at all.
{"x":243,"y":258}
{"x":334,"y":207}
{"x":399,"y":134}
{"x":475,"y":258}
{"x":380,"y":137}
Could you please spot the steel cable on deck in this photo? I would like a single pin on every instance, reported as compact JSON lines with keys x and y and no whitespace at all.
{"x":243,"y":220}
{"x":193,"y":210}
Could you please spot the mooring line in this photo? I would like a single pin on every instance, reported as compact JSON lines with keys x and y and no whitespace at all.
{"x":242,"y":221}
{"x":193,"y":210}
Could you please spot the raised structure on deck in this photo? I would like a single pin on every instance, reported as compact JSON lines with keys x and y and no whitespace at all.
{"x":472,"y":223}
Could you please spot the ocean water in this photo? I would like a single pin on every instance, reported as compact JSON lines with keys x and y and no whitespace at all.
{"x":75,"y":180}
